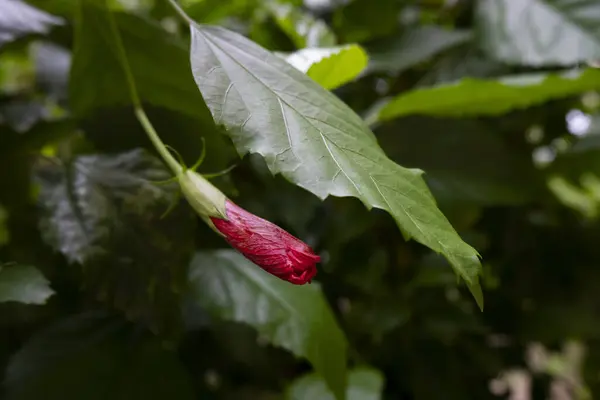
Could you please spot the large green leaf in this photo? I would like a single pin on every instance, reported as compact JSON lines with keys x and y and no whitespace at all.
{"x":95,"y":357}
{"x":315,"y":140}
{"x":103,"y":213}
{"x":23,"y":283}
{"x":363,"y":384}
{"x":414,"y":46}
{"x":540,"y":32}
{"x":330,"y":67}
{"x":158,"y":62}
{"x":469,"y":97}
{"x":297,"y":318}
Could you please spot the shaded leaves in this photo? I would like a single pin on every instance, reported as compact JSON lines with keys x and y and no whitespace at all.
{"x":23,"y":284}
{"x":18,"y":18}
{"x":540,"y":32}
{"x":103,"y":213}
{"x":96,"y":357}
{"x":296,"y":318}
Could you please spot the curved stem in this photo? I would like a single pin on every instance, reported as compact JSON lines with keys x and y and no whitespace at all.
{"x":180,"y":12}
{"x":155,"y":139}
{"x":137,"y":104}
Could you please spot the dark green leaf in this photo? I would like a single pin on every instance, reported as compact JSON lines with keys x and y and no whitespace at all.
{"x":158,"y":61}
{"x":315,"y":140}
{"x":540,"y":32}
{"x":214,"y":11}
{"x":94,"y":357}
{"x":4,"y":233}
{"x":469,"y":97}
{"x":413,"y":47}
{"x":462,"y":62}
{"x":296,"y":318}
{"x":23,"y":283}
{"x":330,"y":67}
{"x":41,"y":134}
{"x":103,"y":212}
{"x":461,"y":158}
{"x":363,"y":384}
{"x":359,"y":21}
{"x":18,"y":18}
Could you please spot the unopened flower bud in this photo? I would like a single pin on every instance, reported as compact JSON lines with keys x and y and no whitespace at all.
{"x":262,"y":242}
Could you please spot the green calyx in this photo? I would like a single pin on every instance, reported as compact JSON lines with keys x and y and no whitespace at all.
{"x":203,"y":196}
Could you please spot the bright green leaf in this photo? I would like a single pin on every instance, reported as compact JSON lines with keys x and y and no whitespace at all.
{"x":363,"y":384}
{"x":413,"y":47}
{"x":315,"y":140}
{"x":469,"y":97}
{"x":296,"y":318}
{"x":23,"y":283}
{"x":330,"y":67}
{"x":540,"y":32}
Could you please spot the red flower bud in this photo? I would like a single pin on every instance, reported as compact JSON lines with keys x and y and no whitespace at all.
{"x":267,"y":245}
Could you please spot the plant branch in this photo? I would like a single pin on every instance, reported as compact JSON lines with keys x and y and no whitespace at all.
{"x":137,"y":104}
{"x":180,"y":12}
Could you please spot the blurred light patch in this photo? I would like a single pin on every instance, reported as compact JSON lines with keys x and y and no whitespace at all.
{"x":543,"y":156}
{"x":578,"y":122}
{"x":535,"y":134}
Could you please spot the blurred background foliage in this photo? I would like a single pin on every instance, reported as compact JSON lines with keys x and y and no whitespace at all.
{"x":496,"y":100}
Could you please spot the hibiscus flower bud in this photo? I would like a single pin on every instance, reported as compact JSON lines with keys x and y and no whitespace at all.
{"x":262,"y":242}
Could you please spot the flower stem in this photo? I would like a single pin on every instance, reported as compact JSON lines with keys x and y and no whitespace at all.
{"x":137,"y":104}
{"x":180,"y":12}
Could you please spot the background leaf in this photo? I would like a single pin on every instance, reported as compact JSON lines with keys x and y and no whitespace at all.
{"x":101,"y":357}
{"x":158,"y":62}
{"x":397,"y":53}
{"x":363,"y":384}
{"x":24,"y":284}
{"x":104,"y":213}
{"x":470,"y":97}
{"x":315,"y":140}
{"x":540,"y":32}
{"x":358,"y":21}
{"x":18,"y":18}
{"x":296,"y":318}
{"x":330,"y":67}
{"x":461,"y":158}
{"x":303,"y":29}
